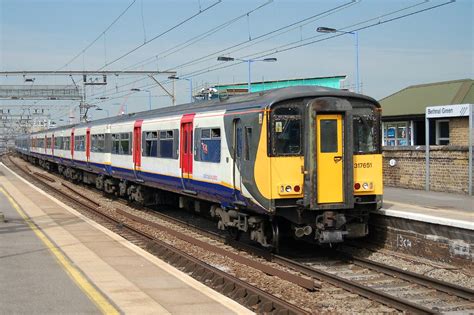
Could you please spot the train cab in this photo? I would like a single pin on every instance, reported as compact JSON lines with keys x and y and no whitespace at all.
{"x":325,"y":165}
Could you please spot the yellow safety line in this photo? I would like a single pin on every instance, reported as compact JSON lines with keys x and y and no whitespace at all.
{"x":94,"y":295}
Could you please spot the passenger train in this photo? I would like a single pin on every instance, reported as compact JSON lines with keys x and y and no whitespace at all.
{"x":301,"y":161}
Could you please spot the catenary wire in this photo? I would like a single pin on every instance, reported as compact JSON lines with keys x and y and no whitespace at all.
{"x":276,"y":51}
{"x":162,"y":33}
{"x":98,"y":37}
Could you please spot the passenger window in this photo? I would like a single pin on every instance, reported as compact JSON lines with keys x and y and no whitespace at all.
{"x":79,"y":144}
{"x":125,"y":144}
{"x":98,"y":143}
{"x":66,"y":143}
{"x":166,"y":144}
{"x":210,"y":146}
{"x":121,"y":143}
{"x":328,"y":135}
{"x":248,"y":136}
{"x":239,"y":142}
{"x":286,"y":131}
{"x":115,"y":143}
{"x":151,"y":143}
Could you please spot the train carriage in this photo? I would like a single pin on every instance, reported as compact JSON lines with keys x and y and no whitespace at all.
{"x":302,"y":161}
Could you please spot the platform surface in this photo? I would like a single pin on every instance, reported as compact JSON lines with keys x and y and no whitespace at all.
{"x":434,"y":207}
{"x":99,"y":272}
{"x":31,"y":280}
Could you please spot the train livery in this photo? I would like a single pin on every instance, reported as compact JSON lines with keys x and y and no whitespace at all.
{"x":301,"y":161}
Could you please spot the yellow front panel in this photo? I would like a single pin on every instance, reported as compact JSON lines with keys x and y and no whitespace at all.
{"x":368,"y":170}
{"x":330,"y":159}
{"x":286,"y":176}
{"x":273,"y":173}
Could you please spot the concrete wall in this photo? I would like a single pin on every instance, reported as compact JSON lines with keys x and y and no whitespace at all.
{"x":448,"y":168}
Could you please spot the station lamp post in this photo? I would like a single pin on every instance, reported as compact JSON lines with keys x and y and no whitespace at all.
{"x":356,"y":36}
{"x":149,"y":95}
{"x":249,"y":62}
{"x":173,"y":77}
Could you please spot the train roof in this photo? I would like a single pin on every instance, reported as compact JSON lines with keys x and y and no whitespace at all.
{"x":262,"y":99}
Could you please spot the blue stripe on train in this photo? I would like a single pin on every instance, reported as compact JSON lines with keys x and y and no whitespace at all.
{"x":215,"y":192}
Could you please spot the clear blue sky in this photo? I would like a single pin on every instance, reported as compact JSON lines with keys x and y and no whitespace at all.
{"x":435,"y":45}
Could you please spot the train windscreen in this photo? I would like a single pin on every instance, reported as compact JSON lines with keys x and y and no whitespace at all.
{"x":365,"y":130}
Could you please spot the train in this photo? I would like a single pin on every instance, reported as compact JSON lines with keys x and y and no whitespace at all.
{"x":302,"y":162}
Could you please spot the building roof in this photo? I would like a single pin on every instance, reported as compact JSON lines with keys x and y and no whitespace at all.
{"x":414,"y":99}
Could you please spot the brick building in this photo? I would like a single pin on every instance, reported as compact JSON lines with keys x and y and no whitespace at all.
{"x":403,"y":114}
{"x":444,"y":109}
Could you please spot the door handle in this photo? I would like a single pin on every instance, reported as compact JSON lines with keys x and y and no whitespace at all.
{"x":337,"y":158}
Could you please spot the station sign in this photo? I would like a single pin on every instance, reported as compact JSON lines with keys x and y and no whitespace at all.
{"x":460,"y":110}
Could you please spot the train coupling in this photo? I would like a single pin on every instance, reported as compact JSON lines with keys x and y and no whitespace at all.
{"x":329,"y":227}
{"x":336,"y":236}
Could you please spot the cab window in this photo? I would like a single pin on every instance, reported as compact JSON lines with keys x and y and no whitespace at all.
{"x":365,"y":126}
{"x":286,"y":131}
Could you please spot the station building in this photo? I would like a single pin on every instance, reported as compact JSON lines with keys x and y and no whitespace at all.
{"x":403,"y":114}
{"x":438,"y":114}
{"x":242,"y":88}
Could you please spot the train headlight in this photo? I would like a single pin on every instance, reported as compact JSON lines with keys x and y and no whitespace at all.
{"x":365,"y":186}
{"x":287,"y":189}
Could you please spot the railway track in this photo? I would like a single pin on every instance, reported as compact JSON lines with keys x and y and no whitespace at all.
{"x":391,"y":286}
{"x":243,"y":292}
{"x":397,"y":288}
{"x":368,"y":278}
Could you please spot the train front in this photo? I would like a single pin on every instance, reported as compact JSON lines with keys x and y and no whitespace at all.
{"x":326,"y":166}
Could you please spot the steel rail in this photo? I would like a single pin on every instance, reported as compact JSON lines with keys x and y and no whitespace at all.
{"x":306,"y":283}
{"x":439,"y":285}
{"x":381,"y":297}
{"x":247,"y":294}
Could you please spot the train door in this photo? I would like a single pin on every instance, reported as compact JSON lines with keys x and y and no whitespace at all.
{"x":237,"y":156}
{"x":52,"y":145}
{"x":88,"y":146}
{"x":186,"y":150}
{"x":137,"y":147}
{"x":330,"y":169}
{"x":71,"y":144}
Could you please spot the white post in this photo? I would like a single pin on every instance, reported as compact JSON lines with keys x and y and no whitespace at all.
{"x":427,"y":154}
{"x":471,"y":140}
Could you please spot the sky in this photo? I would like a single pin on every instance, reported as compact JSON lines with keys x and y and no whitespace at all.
{"x":429,"y":46}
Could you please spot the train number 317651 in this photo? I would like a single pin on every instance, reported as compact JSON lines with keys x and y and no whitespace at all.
{"x":363,"y":165}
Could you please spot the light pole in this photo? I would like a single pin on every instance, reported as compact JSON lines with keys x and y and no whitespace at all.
{"x":356,"y":35}
{"x":249,"y":62}
{"x":106,"y":110}
{"x":149,"y":96}
{"x":190,"y":85}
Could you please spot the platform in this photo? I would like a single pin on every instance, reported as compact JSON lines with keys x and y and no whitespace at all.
{"x":432,"y":225}
{"x":55,"y":260}
{"x":432,"y":207}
